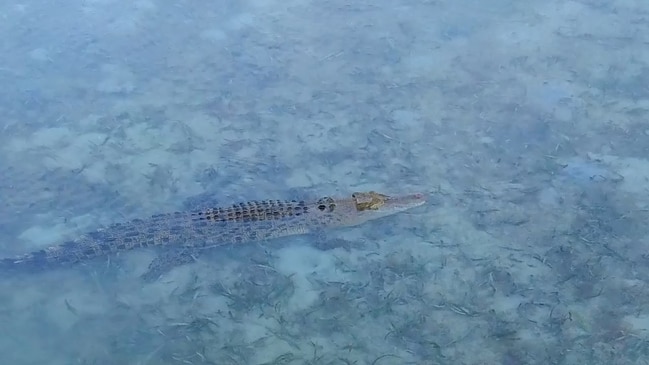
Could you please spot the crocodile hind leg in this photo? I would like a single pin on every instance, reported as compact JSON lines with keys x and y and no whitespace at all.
{"x":167,"y":260}
{"x":170,"y":258}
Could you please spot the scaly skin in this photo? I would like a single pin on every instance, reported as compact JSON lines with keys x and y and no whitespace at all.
{"x":239,"y":223}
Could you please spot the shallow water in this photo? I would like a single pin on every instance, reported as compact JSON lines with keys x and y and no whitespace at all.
{"x":524,"y":122}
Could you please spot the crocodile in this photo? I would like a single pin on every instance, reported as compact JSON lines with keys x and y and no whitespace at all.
{"x":236,"y":224}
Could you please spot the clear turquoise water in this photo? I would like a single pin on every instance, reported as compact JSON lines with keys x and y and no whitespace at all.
{"x":524,"y":121}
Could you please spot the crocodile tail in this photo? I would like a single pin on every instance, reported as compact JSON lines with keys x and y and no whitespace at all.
{"x":30,"y":262}
{"x":66,"y":253}
{"x":8,"y":265}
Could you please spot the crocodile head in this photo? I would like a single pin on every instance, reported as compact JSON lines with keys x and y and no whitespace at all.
{"x":364,"y":206}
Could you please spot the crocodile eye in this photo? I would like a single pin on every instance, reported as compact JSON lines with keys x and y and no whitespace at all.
{"x":322,"y":207}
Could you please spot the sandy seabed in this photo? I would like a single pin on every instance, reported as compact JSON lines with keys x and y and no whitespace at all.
{"x":526,"y":124}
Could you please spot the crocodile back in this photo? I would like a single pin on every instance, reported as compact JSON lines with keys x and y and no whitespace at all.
{"x":239,"y":223}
